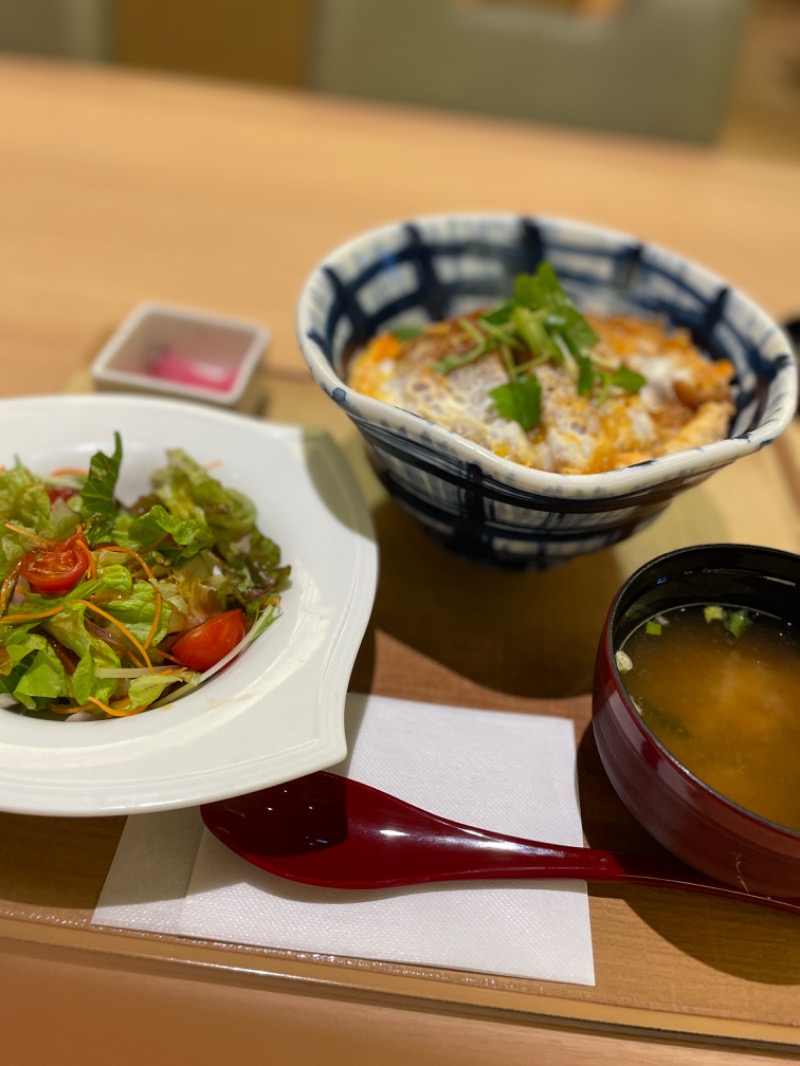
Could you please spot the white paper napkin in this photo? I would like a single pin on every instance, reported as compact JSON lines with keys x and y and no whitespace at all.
{"x":513,"y":773}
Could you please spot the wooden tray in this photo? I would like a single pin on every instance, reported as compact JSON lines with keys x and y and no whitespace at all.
{"x":445,"y":631}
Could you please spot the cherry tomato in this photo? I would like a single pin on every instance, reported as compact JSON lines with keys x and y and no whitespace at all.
{"x":203,"y":647}
{"x":58,"y":568}
{"x":62,"y":493}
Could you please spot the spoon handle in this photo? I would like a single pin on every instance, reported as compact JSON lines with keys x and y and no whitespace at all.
{"x":491,"y":856}
{"x":597,"y":866}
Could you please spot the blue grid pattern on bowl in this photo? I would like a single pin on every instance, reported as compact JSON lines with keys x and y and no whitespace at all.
{"x":433,"y":268}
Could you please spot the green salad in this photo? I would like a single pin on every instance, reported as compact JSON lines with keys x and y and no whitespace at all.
{"x":108,"y":610}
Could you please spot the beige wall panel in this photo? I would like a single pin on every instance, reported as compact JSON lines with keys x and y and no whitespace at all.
{"x":246,"y":40}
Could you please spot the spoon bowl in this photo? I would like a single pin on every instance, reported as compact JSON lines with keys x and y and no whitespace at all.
{"x":327,"y":830}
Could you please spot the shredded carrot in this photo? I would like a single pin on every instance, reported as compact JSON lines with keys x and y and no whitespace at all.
{"x":10,"y":619}
{"x":123,"y":628}
{"x":77,"y":470}
{"x":150,"y":577}
{"x":8,"y":585}
{"x":58,"y":709}
{"x":156,"y":619}
{"x":91,"y":706}
{"x":166,"y":655}
{"x":27,"y":533}
{"x":119,"y":710}
{"x":91,"y":566}
{"x":128,"y":551}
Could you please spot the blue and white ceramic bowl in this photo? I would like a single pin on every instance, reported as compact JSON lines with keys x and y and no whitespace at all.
{"x":480,"y":505}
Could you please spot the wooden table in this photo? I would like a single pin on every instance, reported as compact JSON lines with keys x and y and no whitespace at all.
{"x":115,"y":188}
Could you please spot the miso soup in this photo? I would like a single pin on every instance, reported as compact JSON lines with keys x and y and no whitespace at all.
{"x":720,"y":688}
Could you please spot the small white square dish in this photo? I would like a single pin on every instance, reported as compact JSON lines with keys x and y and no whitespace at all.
{"x":185,"y":354}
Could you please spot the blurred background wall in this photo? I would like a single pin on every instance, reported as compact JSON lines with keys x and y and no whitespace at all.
{"x":706,"y":70}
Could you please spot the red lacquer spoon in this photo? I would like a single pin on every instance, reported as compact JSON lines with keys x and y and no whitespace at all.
{"x":327,"y":830}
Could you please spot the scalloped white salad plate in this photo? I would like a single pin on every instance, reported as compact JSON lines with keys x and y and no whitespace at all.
{"x":276,"y":711}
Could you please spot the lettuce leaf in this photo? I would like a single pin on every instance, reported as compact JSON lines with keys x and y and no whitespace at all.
{"x":23,"y":502}
{"x":137,"y":610}
{"x":43,"y":678}
{"x":177,"y":538}
{"x":97,"y":502}
{"x":200,"y":513}
{"x":147,"y":688}
{"x":188,"y":491}
{"x":85,"y":681}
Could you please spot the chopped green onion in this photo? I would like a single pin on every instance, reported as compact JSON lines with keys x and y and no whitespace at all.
{"x":714,"y":613}
{"x":737,"y":622}
{"x":653,"y":628}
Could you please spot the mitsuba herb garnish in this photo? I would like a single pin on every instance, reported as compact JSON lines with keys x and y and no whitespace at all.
{"x":539,"y":325}
{"x":520,"y":401}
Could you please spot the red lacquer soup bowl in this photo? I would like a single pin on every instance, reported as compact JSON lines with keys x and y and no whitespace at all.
{"x":698,"y":824}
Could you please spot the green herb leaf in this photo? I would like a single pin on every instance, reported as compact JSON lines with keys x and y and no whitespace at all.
{"x":622,"y":378}
{"x":585,"y":375}
{"x":520,"y":401}
{"x":406,"y":333}
{"x":543,"y":290}
{"x":627,"y":379}
{"x":498,"y":316}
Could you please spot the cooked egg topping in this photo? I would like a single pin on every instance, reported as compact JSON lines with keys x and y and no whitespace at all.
{"x":681,"y":398}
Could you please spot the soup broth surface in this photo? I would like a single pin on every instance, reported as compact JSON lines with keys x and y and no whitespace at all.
{"x":725,"y":703}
